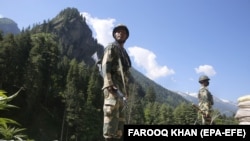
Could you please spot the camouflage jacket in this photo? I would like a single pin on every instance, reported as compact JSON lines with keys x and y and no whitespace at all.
{"x":110,"y":65}
{"x":205,"y":97}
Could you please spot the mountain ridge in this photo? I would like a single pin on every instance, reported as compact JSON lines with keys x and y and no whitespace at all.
{"x":226,"y":107}
{"x":7,"y":25}
{"x":57,"y":25}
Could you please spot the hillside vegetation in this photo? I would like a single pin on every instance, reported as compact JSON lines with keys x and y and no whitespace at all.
{"x":61,"y":97}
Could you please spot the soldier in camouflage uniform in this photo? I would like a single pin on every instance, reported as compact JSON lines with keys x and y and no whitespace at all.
{"x":205,"y":100}
{"x":113,"y":84}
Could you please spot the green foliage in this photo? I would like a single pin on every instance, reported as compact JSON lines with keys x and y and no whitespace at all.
{"x":221,"y":119}
{"x":10,"y":133}
{"x":135,"y":110}
{"x":166,"y":115}
{"x":185,"y":114}
{"x":7,"y":131}
{"x":152,"y":112}
{"x":54,"y":63}
{"x":150,"y":95}
{"x":4,"y":99}
{"x":5,"y":121}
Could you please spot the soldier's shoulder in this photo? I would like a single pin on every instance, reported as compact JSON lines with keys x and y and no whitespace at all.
{"x":203,"y":89}
{"x":110,"y":46}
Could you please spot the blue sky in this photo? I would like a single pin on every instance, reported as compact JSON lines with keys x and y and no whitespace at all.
{"x":172,"y":42}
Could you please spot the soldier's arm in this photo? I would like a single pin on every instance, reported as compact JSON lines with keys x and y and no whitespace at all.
{"x":106,"y":67}
{"x":211,"y":99}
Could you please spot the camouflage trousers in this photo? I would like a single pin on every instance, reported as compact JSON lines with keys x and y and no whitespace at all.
{"x":114,"y":116}
{"x":206,"y":113}
{"x":206,"y":120}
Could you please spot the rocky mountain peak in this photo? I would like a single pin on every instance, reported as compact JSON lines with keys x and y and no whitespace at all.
{"x":73,"y":34}
{"x":8,"y":26}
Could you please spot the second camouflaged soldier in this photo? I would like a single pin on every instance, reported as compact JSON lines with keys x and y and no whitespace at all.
{"x":205,"y":100}
{"x":115,"y":68}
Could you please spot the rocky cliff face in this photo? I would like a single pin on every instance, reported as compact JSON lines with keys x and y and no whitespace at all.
{"x":8,"y":26}
{"x":74,"y":38}
{"x":74,"y":35}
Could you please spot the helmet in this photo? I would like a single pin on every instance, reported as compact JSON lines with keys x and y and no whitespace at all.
{"x":120,"y":26}
{"x":203,"y":77}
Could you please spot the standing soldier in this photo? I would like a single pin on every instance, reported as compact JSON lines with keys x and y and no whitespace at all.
{"x":205,"y":100}
{"x":115,"y":68}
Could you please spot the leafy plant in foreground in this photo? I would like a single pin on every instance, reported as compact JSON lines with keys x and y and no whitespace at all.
{"x":8,"y":131}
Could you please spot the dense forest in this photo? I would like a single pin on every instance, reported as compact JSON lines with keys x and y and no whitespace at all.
{"x":61,"y":96}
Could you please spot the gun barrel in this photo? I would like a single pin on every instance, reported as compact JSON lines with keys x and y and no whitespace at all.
{"x":120,"y":94}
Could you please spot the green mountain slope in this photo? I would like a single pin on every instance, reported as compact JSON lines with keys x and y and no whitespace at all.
{"x":75,"y":35}
{"x":62,"y":96}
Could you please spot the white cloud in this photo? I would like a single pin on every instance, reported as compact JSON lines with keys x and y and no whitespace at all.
{"x":143,"y":58}
{"x":1,"y":16}
{"x":147,"y":60}
{"x":206,"y":69}
{"x":102,"y":28}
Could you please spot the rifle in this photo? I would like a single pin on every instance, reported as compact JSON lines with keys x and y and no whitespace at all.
{"x":208,"y":117}
{"x":120,"y":94}
{"x":198,"y":109}
{"x":123,"y":80}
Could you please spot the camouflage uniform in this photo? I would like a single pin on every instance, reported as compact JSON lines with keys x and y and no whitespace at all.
{"x":205,"y":104}
{"x":113,"y":104}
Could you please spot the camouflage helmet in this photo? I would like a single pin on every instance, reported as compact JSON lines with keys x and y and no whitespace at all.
{"x":203,"y":77}
{"x":119,"y":26}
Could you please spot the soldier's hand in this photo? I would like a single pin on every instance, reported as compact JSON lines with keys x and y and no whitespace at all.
{"x":207,"y":115}
{"x":109,"y":88}
{"x":112,"y":88}
{"x":126,"y":97}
